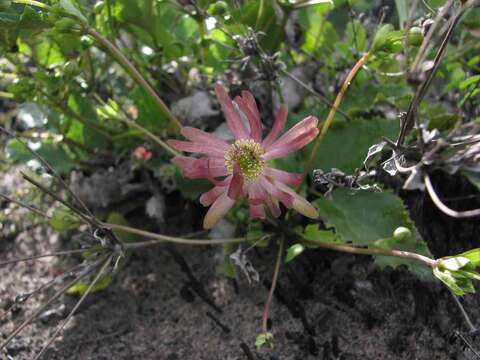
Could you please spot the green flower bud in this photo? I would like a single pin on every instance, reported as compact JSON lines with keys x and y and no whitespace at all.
{"x":401,"y":234}
{"x":219,"y":8}
{"x":415,"y":36}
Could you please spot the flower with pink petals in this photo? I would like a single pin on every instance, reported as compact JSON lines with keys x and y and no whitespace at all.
{"x":241,"y":169}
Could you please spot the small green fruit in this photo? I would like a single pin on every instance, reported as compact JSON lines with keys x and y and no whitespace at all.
{"x":401,"y":234}
{"x":415,"y":36}
{"x":219,"y":8}
{"x":5,"y":4}
{"x":98,"y":7}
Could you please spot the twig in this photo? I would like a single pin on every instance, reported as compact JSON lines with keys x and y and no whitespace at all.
{"x":268,"y":302}
{"x":333,"y":110}
{"x":444,"y":208}
{"x":27,"y":321}
{"x":134,"y":73}
{"x":50,"y":168}
{"x":35,"y":257}
{"x":378,"y":252}
{"x":26,"y":206}
{"x":158,"y":238}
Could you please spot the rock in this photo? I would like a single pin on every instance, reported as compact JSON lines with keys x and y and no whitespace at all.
{"x":193,"y":110}
{"x":155,"y":207}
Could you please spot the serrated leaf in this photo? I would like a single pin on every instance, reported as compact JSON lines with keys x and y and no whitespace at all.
{"x":364,"y":218}
{"x":293,"y":251}
{"x":314,"y":234}
{"x":346,"y":145}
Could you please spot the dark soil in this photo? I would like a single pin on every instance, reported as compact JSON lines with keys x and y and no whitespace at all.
{"x":327,"y":306}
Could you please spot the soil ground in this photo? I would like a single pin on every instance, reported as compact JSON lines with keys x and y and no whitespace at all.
{"x":327,"y":306}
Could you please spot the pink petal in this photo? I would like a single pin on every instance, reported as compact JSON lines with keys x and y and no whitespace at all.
{"x":256,"y":194}
{"x":210,"y":196}
{"x":233,"y":118}
{"x":275,"y":191}
{"x":199,"y":136}
{"x":218,"y":210}
{"x":257,"y":211}
{"x":248,"y":106}
{"x":299,"y":203}
{"x":273,"y":207}
{"x":200,"y":168}
{"x":293,"y":179}
{"x":194,"y":147}
{"x":277,"y":151}
{"x":235,"y":189}
{"x":278,"y":126}
{"x":299,"y":129}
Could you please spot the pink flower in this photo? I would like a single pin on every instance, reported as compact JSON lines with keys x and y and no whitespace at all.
{"x":140,"y":153}
{"x":241,"y":169}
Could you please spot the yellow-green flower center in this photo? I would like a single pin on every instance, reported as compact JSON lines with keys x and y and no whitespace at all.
{"x":247,"y":154}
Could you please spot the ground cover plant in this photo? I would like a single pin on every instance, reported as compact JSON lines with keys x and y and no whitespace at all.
{"x":255,"y":139}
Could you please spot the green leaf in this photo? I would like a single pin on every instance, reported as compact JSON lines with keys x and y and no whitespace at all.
{"x":79,"y":288}
{"x":387,"y":40}
{"x":346,"y":145}
{"x":63,"y":219}
{"x":314,"y":234}
{"x":447,"y":278}
{"x":263,"y":339}
{"x":293,"y":251}
{"x":70,"y":8}
{"x":472,"y":255}
{"x":454,"y":263}
{"x":473,"y":80}
{"x":51,"y":151}
{"x":123,"y":236}
{"x":370,"y":218}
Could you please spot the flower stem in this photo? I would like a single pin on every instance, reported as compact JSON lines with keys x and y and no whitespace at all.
{"x":268,"y":302}
{"x":158,"y":238}
{"x":333,"y":111}
{"x":379,"y":252}
{"x":134,"y":73}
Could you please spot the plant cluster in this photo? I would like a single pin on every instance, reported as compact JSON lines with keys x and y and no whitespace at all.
{"x":334,"y":117}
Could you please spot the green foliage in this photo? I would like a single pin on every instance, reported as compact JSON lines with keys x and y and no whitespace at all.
{"x":63,"y":219}
{"x":373,"y":219}
{"x":264,"y":339}
{"x":457,"y":272}
{"x":80,"y":287}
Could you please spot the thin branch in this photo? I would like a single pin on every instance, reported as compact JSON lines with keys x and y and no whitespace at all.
{"x":444,"y":208}
{"x":378,"y":252}
{"x":50,"y":168}
{"x":26,"y":206}
{"x":158,"y":238}
{"x":35,"y":257}
{"x":75,"y":308}
{"x":268,"y":302}
{"x":27,"y":321}
{"x":134,"y":73}
{"x":333,"y":110}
